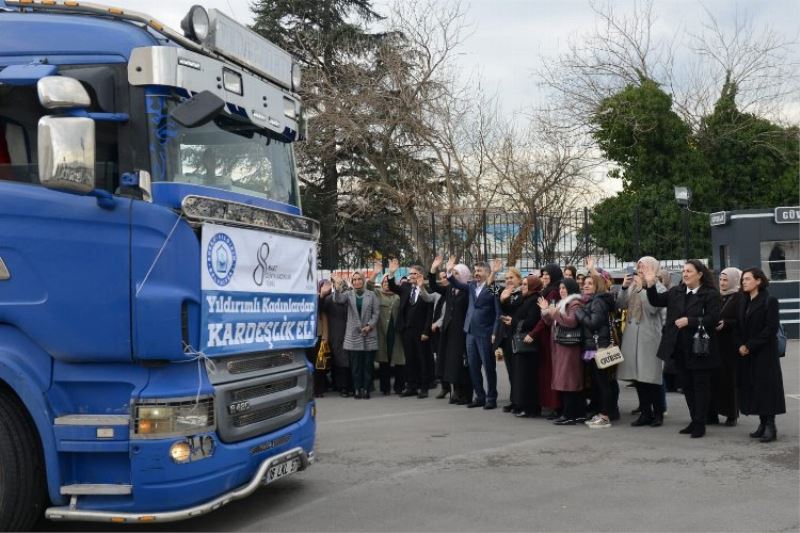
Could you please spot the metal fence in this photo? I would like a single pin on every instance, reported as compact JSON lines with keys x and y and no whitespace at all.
{"x":526,"y":240}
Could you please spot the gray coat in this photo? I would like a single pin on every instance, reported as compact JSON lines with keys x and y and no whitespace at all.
{"x":370,"y":313}
{"x":641,"y":339}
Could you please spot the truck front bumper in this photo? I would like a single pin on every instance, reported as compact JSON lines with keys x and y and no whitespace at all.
{"x":71,"y":513}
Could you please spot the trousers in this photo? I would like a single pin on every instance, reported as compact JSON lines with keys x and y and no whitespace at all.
{"x":361,"y":363}
{"x":479,"y":354}
{"x":419,"y":360}
{"x":696,"y":385}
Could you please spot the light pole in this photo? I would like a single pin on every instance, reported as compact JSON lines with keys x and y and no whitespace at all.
{"x":683,"y":195}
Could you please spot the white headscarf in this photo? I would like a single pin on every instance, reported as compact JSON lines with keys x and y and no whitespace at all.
{"x":463,"y":273}
{"x":734,"y":278}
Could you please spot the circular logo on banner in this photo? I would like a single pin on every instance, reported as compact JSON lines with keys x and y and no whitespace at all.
{"x":221,"y":259}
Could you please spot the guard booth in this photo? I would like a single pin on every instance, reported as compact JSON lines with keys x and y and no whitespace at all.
{"x":769,"y":238}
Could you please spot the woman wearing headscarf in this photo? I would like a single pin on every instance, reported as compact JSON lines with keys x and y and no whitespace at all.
{"x":640,"y":345}
{"x":723,"y":380}
{"x":336,"y":314}
{"x":526,"y":365}
{"x":390,"y":356}
{"x":361,"y":337}
{"x":567,"y":364}
{"x":690,"y":305}
{"x":760,"y":378}
{"x":510,"y":300}
{"x":548,"y":398}
{"x":453,"y":343}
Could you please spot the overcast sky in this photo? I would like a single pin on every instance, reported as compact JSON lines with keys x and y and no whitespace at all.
{"x":508,"y":39}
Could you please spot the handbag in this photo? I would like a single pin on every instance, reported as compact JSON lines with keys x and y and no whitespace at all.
{"x":610,"y":355}
{"x":701,"y":342}
{"x":323,"y":361}
{"x":567,"y":336}
{"x":518,"y":344}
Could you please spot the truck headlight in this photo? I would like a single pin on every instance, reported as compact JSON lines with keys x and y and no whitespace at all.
{"x":162,"y":418}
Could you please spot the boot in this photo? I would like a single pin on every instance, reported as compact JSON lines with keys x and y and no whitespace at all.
{"x":444,"y":392}
{"x":770,"y":431}
{"x":758,"y":433}
{"x":688,"y":429}
{"x":698,"y":431}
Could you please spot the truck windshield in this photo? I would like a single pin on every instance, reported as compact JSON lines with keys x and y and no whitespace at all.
{"x":226,"y":153}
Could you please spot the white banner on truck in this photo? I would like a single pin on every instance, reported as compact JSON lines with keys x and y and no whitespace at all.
{"x":259,"y":291}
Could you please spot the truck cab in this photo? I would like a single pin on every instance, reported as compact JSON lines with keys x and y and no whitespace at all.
{"x":157,"y":277}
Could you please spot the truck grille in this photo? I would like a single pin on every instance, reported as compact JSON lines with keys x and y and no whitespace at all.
{"x":256,"y":406}
{"x":263,"y":362}
{"x":261,"y":415}
{"x":256,"y":391}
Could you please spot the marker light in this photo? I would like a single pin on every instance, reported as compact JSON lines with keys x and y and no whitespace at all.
{"x":232,"y":81}
{"x":195,"y":24}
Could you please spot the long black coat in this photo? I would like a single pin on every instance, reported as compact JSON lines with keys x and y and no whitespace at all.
{"x":760,"y":377}
{"x":453,"y":343}
{"x":723,"y":381}
{"x":676,"y":344}
{"x":417,"y":317}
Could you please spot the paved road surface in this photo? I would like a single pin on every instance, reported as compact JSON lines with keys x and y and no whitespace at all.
{"x":402,"y":464}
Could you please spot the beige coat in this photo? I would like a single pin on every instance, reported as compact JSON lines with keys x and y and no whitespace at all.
{"x":641,"y":339}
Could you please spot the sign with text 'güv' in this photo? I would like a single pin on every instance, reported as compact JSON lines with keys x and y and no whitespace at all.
{"x":259,"y":291}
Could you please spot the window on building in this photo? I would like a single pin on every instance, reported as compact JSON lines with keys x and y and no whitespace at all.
{"x":780,"y":260}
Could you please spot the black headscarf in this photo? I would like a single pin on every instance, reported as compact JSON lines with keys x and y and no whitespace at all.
{"x":571,"y":285}
{"x":556,"y":275}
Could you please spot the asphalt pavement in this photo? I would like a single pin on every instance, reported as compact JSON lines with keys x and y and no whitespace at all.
{"x":404,"y":464}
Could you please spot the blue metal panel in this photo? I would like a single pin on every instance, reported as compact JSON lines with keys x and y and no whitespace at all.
{"x":43,"y":35}
{"x":26,"y":74}
{"x":69,"y":262}
{"x":172,"y":280}
{"x":25,"y":367}
{"x":171,"y":194}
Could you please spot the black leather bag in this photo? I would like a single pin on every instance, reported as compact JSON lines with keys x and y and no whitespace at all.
{"x":568,"y":336}
{"x":518,"y":344}
{"x":701,"y":342}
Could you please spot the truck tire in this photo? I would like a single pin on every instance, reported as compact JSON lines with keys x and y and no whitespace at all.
{"x":22,"y":479}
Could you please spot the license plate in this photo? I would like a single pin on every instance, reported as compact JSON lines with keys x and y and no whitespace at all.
{"x":282,"y":470}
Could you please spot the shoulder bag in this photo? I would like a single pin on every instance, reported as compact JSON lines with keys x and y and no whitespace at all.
{"x":518,"y":344}
{"x":611,"y":355}
{"x":701,"y":342}
{"x":567,"y":336}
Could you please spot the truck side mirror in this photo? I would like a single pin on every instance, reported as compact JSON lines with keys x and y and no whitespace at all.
{"x":198,"y":109}
{"x":59,"y":92}
{"x":66,"y":153}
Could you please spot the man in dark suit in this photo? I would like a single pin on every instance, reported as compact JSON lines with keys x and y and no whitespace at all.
{"x":482,"y":314}
{"x":413,"y":325}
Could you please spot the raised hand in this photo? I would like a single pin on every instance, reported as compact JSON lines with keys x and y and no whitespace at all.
{"x":542,"y":303}
{"x":437,"y":262}
{"x":336,"y":278}
{"x":497,"y":265}
{"x":325,"y":289}
{"x":506,"y":294}
{"x":451,"y":263}
{"x":377,"y":267}
{"x":394,"y":264}
{"x":649,"y":274}
{"x":590,"y":263}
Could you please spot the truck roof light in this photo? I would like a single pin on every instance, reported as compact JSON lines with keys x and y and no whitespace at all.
{"x":297,"y":76}
{"x":195,"y":24}
{"x":116,"y":11}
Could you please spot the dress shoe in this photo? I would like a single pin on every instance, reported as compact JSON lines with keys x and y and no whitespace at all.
{"x":657,"y":421}
{"x":642,"y":421}
{"x":443,"y":393}
{"x":365,"y":394}
{"x":508,"y":408}
{"x":422,"y":394}
{"x":490,"y":405}
{"x":698,"y":431}
{"x":770,"y":433}
{"x":730,"y":422}
{"x":758,"y":433}
{"x":453,"y":399}
{"x":475,"y":403}
{"x":357,"y":395}
{"x":408,"y":393}
{"x":688,"y":429}
{"x":563,"y":421}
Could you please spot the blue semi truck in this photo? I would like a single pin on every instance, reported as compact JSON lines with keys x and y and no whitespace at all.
{"x":157,"y":277}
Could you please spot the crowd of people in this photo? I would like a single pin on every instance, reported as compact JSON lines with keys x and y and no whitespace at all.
{"x":567,"y":339}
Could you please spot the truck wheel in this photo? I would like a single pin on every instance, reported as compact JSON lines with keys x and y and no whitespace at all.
{"x":22,"y":479}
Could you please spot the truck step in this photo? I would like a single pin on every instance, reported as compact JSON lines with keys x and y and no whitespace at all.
{"x":95,"y":489}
